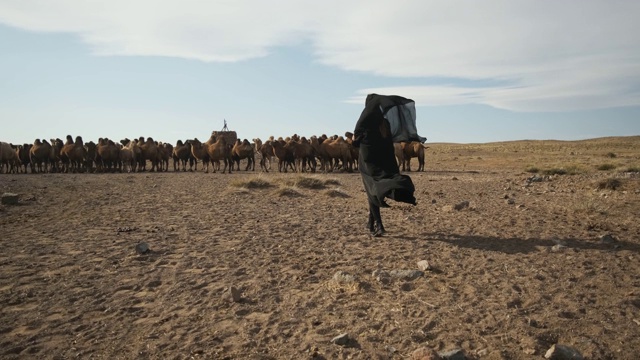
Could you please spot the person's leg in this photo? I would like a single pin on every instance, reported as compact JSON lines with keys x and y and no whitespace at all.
{"x":375,"y":220}
{"x":370,"y":222}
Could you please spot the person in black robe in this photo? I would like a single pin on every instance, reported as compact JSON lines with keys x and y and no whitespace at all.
{"x":377,"y":162}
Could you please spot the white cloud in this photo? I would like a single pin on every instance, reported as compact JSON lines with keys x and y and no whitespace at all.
{"x":552,"y":55}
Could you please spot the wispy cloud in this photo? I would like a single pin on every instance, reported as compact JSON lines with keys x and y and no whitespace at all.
{"x":546,"y":55}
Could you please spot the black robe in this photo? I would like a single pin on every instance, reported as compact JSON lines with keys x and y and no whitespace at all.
{"x":377,"y":162}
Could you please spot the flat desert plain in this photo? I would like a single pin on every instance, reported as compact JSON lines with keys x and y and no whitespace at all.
{"x":529,"y":244}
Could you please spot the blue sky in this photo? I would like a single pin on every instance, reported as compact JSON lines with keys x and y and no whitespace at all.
{"x":478,"y":71}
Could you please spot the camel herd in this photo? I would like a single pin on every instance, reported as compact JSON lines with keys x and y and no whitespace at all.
{"x":295,"y":153}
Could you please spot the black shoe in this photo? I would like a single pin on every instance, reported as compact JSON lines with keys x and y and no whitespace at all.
{"x":378,"y":229}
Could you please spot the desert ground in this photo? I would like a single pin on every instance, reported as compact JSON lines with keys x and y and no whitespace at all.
{"x":529,"y":244}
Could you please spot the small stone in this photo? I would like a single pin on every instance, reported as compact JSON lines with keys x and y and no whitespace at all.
{"x":511,"y":201}
{"x":607,"y":239}
{"x":342,"y":277}
{"x":406,"y":274}
{"x":563,"y":352}
{"x":233,"y":294}
{"x":456,"y":354}
{"x":342,"y":339}
{"x":558,"y":248}
{"x":9,"y":199}
{"x":423,"y":353}
{"x":142,"y":248}
{"x":423,"y":265}
{"x":461,"y":205}
{"x":406,"y":287}
{"x":381,"y":276}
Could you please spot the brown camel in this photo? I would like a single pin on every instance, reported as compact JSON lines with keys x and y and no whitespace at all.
{"x":40,"y":156}
{"x":90,"y":158}
{"x":23,"y":154}
{"x":218,"y":150}
{"x":9,"y":158}
{"x":129,"y":153}
{"x":149,"y":151}
{"x":303,"y":153}
{"x":355,"y":152}
{"x":107,"y":155}
{"x":199,"y":153}
{"x":266,"y":153}
{"x":181,"y":153}
{"x":407,"y":150}
{"x":164,"y":154}
{"x":73,"y":154}
{"x":284,"y":152}
{"x":332,"y":152}
{"x":244,"y":150}
{"x":56,"y":146}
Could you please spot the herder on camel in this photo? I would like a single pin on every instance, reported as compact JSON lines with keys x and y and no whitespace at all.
{"x":384,"y":120}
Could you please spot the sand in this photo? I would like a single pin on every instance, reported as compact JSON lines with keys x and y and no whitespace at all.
{"x":518,"y":261}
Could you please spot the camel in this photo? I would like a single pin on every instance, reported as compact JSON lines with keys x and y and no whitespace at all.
{"x":149,"y":151}
{"x":56,"y":146}
{"x":136,"y":153}
{"x":266,"y":153}
{"x":23,"y":154}
{"x":199,"y":153}
{"x":128,"y":158}
{"x":40,"y":156}
{"x":90,"y":158}
{"x":303,"y":153}
{"x":244,"y":150}
{"x":406,"y":150}
{"x":284,"y":152}
{"x":355,"y":152}
{"x":218,"y":150}
{"x":107,"y":155}
{"x":64,"y":159}
{"x":9,"y":158}
{"x":181,"y":154}
{"x":72,"y":154}
{"x":212,"y":151}
{"x":333,"y":151}
{"x":164,"y":154}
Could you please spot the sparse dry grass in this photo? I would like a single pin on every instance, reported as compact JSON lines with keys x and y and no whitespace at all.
{"x":309,"y":182}
{"x":609,"y":184}
{"x":288,"y":191}
{"x":585,"y":156}
{"x":532,"y":169}
{"x":606,"y":167}
{"x":591,"y":205}
{"x":254,"y":183}
{"x":286,"y":186}
{"x":337,"y":192}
